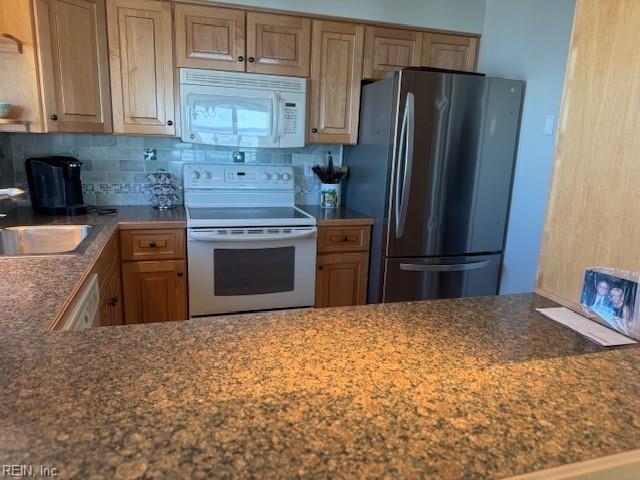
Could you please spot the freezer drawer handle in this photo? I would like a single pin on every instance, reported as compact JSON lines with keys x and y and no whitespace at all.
{"x":451,"y":267}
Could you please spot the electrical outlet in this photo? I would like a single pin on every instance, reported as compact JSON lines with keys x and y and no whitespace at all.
{"x":308,"y":169}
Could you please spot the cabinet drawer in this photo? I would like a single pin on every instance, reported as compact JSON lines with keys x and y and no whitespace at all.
{"x":343,"y":239}
{"x":152,"y":244}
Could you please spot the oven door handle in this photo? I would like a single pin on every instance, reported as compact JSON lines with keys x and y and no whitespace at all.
{"x":214,"y":237}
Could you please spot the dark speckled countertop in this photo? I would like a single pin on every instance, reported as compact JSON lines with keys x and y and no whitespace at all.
{"x":471,"y":388}
{"x":336,"y":216}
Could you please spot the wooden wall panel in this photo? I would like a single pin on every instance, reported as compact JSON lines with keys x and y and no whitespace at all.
{"x":593,"y":217}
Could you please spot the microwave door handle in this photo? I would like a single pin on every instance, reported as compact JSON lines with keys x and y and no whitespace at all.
{"x":447,"y":267}
{"x":275,"y":120}
{"x":214,"y":237}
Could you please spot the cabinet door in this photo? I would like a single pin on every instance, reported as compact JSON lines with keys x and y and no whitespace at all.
{"x":115,"y":300}
{"x":390,"y":49}
{"x":154,"y":291}
{"x":278,"y":44}
{"x":336,"y":72}
{"x":72,"y":37}
{"x":209,"y":37}
{"x":342,"y":279}
{"x":453,"y":52}
{"x":141,"y":59}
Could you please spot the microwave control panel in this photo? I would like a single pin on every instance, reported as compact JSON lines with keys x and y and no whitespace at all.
{"x":290,"y":118}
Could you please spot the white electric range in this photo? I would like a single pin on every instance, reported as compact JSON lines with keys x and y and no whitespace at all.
{"x":248,"y":247}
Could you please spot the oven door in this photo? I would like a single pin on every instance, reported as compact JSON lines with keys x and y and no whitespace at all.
{"x":244,"y":269}
{"x":230,"y":116}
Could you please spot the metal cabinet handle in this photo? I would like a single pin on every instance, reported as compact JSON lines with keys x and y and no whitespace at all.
{"x":113,"y":301}
{"x":344,"y":238}
{"x":53,"y":117}
{"x":153,"y":244}
{"x":320,"y":267}
{"x":241,"y":58}
{"x":180,"y":274}
{"x":314,"y":130}
{"x":251,"y":59}
{"x":169,"y":122}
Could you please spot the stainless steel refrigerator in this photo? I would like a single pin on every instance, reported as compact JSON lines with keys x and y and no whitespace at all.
{"x":433,"y":166}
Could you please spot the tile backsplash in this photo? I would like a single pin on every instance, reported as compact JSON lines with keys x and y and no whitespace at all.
{"x":116,"y":167}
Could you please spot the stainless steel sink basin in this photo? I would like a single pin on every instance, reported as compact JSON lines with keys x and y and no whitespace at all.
{"x":45,"y":239}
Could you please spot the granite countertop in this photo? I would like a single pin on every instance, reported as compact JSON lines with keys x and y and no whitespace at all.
{"x":33,"y":289}
{"x":469,"y":388}
{"x":336,"y":216}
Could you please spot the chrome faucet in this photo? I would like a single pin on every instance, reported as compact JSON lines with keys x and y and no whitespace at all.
{"x":6,"y":196}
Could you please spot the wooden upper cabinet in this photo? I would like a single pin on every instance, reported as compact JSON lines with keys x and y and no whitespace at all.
{"x":210,"y":37}
{"x":278,"y":44}
{"x":72,"y":36}
{"x":141,"y":60}
{"x":390,"y":49}
{"x":336,"y":73}
{"x":454,"y":52}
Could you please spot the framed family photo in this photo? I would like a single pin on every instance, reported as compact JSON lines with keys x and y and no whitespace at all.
{"x":610,"y":297}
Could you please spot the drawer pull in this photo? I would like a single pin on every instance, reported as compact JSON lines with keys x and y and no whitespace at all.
{"x":180,"y":274}
{"x":153,"y":244}
{"x":113,"y":301}
{"x":344,"y":238}
{"x":320,"y":267}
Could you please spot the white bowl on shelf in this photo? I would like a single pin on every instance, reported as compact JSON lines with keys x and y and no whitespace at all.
{"x":5,"y":109}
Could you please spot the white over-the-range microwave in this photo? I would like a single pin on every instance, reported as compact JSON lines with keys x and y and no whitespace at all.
{"x":242,"y":109}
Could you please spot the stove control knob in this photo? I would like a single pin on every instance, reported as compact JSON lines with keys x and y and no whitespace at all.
{"x":208,"y":175}
{"x":266,"y":176}
{"x":276,"y":176}
{"x":195,"y":175}
{"x":286,"y":176}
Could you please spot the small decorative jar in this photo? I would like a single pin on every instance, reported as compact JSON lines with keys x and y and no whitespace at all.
{"x":330,"y":195}
{"x":163,"y":190}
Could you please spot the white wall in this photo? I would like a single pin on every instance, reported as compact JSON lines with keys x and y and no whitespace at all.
{"x":460,"y":15}
{"x":528,"y":40}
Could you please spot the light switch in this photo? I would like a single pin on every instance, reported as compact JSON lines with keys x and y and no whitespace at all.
{"x":549,"y":124}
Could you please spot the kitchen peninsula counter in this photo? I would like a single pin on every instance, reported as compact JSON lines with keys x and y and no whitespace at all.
{"x":470,"y":388}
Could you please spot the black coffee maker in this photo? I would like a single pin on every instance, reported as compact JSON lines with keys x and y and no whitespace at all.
{"x":55,"y":186}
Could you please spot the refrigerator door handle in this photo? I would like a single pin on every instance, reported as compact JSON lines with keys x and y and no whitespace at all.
{"x":447,"y":267}
{"x":399,"y":156}
{"x":408,"y":163}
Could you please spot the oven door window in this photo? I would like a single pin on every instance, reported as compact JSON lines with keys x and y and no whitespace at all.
{"x":231,"y":116}
{"x":253,"y":271}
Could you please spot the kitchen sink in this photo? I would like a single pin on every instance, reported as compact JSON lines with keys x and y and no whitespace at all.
{"x":45,"y":239}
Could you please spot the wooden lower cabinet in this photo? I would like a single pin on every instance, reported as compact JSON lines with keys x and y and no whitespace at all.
{"x":341,"y":279}
{"x":154,"y":275}
{"x":155,"y":291}
{"x":342,"y":265}
{"x":111,"y":301}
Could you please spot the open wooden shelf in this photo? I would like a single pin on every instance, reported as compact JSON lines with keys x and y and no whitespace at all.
{"x":9,"y":43}
{"x":13,"y":126}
